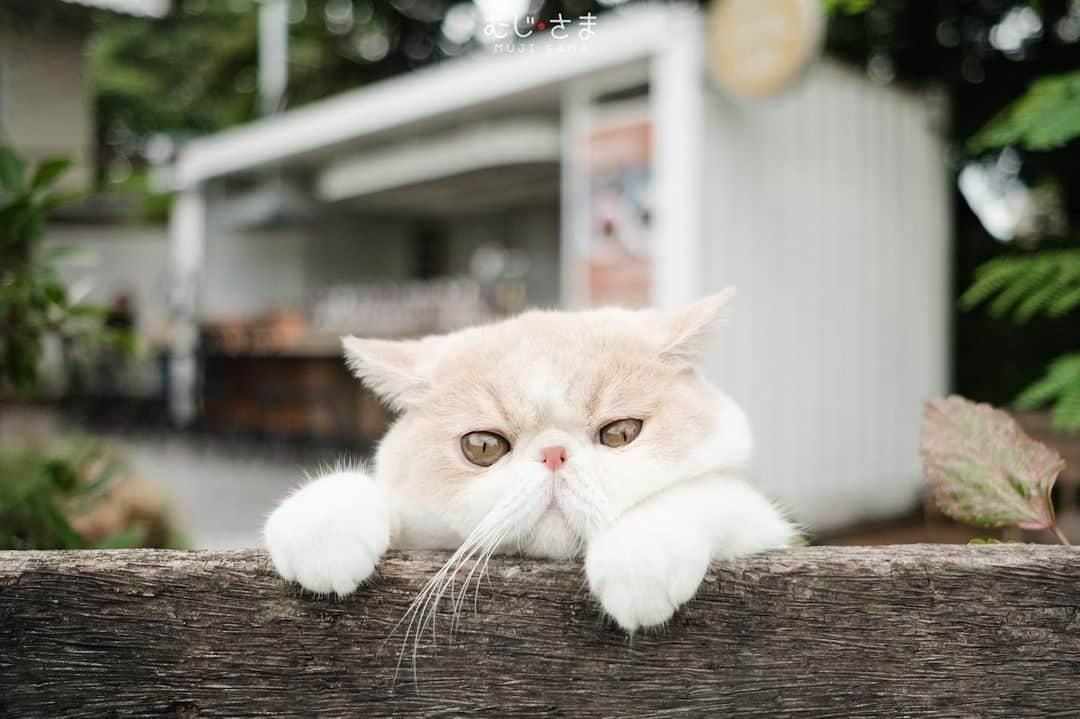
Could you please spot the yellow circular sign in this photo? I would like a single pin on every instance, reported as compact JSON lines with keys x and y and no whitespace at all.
{"x":758,"y":47}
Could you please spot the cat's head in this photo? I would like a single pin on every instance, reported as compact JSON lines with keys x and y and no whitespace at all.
{"x":542,"y":428}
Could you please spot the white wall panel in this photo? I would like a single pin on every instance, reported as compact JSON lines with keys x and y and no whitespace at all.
{"x":827,"y":207}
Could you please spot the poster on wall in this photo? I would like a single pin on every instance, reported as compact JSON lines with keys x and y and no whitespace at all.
{"x":616,"y":251}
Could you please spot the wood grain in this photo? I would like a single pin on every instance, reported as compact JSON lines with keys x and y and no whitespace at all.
{"x":907,"y":631}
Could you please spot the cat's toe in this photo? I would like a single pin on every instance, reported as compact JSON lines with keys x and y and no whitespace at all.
{"x":636,"y":605}
{"x":642,"y":586}
{"x":339,"y":572}
{"x":337,"y":567}
{"x":329,"y":536}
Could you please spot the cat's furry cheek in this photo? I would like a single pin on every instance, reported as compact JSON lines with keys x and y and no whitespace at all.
{"x":329,"y":535}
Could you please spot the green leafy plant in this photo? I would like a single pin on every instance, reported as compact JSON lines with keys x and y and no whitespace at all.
{"x":983,"y":470}
{"x":849,"y":7}
{"x":1060,"y":384}
{"x":1027,"y":286}
{"x":33,"y":301}
{"x":78,"y":496}
{"x":1046,"y":117}
{"x":1043,"y":283}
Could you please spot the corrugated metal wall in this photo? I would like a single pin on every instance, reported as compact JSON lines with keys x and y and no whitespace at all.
{"x":828,"y":208}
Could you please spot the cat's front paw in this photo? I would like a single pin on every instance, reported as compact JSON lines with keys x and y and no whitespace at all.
{"x":330,"y":534}
{"x":641,"y":579}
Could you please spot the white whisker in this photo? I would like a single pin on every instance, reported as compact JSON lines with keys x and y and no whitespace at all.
{"x":485,"y":554}
{"x":478,"y":547}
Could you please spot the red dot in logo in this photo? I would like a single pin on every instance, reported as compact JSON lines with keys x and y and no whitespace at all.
{"x":540,"y":25}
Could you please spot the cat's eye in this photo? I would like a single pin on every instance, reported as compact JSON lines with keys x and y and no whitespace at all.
{"x":620,"y":433}
{"x":484,"y":448}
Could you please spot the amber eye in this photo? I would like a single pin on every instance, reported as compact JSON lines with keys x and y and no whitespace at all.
{"x":484,"y":448}
{"x":621,"y":432}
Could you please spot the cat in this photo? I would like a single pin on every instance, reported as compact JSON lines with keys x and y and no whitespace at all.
{"x":551,"y":434}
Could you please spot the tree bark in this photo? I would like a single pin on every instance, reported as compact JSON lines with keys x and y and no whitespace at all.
{"x":900,"y":631}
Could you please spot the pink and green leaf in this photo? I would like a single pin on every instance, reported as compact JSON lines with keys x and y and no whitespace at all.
{"x":983,"y":470}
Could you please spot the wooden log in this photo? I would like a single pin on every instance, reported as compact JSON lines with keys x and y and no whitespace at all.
{"x":901,"y":631}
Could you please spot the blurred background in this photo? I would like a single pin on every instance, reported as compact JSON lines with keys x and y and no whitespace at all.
{"x":892,"y":185}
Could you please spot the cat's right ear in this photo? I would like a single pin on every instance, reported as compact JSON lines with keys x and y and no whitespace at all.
{"x":392,"y":369}
{"x":687,"y":329}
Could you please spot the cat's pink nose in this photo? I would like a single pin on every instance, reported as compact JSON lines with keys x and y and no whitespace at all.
{"x":553,"y":456}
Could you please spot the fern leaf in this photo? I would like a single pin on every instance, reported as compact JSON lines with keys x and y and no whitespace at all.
{"x":1022,"y":286}
{"x":1066,"y":416}
{"x":848,"y":7}
{"x":1027,"y":286}
{"x":1057,"y":127}
{"x":1060,"y":385}
{"x":990,"y":278}
{"x":1038,"y":393}
{"x":1045,"y":117}
{"x":1039,"y":301}
{"x":1065,"y":303}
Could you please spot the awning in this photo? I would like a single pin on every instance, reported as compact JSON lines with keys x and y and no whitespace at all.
{"x":139,"y":8}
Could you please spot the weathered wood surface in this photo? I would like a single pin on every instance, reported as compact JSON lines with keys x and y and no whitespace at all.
{"x":822,"y":632}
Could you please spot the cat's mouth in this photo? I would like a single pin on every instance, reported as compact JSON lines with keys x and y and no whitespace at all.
{"x":552,"y":534}
{"x":554,"y":506}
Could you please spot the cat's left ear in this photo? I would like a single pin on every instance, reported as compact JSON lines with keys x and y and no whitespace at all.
{"x":392,"y":369}
{"x":687,"y":329}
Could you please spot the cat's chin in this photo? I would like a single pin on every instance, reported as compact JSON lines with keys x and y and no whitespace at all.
{"x":552,"y":538}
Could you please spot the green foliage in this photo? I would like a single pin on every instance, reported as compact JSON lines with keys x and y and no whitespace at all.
{"x":33,"y":301}
{"x":190,"y":74}
{"x":1046,"y":117}
{"x":1060,"y":385}
{"x":41,"y":491}
{"x":1046,"y":283}
{"x":33,"y":486}
{"x":848,"y":7}
{"x":983,"y":470}
{"x":1027,"y":286}
{"x":196,"y":71}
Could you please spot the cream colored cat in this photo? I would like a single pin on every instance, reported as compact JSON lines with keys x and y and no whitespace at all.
{"x":553,"y":434}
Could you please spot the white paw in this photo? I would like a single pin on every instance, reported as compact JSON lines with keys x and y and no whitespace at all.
{"x":641,"y":579}
{"x":330,"y":534}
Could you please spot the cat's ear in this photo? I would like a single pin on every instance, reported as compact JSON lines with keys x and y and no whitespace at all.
{"x":392,"y":369}
{"x":687,"y":329}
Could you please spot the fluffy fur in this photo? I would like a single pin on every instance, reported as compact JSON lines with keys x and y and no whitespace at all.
{"x":648,"y":517}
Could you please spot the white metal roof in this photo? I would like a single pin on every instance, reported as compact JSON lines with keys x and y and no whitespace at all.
{"x":141,"y":8}
{"x":448,"y":89}
{"x":514,"y":142}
